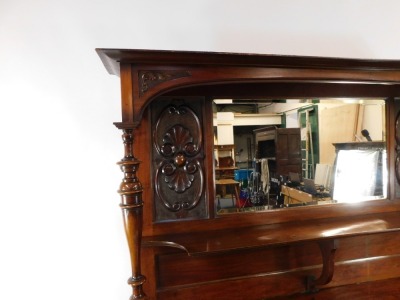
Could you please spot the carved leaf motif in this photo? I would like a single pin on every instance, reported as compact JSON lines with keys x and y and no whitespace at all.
{"x":178,"y":143}
{"x":149,"y":79}
{"x":179,"y":181}
{"x":180,"y":138}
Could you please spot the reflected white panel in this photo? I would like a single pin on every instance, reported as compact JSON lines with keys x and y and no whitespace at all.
{"x":360,"y":175}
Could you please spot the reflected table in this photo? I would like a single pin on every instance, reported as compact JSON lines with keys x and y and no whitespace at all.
{"x":223,"y":183}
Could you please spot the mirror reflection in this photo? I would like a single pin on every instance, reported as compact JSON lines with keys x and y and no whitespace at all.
{"x":277,"y":154}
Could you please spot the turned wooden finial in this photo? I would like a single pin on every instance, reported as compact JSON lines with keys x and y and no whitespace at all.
{"x":132,"y":208}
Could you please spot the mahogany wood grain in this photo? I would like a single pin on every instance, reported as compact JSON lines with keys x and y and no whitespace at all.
{"x":220,"y":241}
{"x":176,"y":268}
{"x":290,"y":90}
{"x":328,"y":249}
{"x":112,"y":57}
{"x":127,"y":103}
{"x":209,"y":163}
{"x":284,"y":282}
{"x":241,"y":68}
{"x":179,"y":269}
{"x":130,"y":190}
{"x":269,"y":286}
{"x":388,"y":289}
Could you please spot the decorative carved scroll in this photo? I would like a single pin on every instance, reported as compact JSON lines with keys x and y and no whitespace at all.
{"x":179,"y":175}
{"x":132,"y":208}
{"x":149,"y":79}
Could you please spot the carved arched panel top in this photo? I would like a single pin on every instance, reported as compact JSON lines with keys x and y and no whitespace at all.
{"x":157,"y":81}
{"x":157,"y":72}
{"x":186,"y":140}
{"x":151,"y":78}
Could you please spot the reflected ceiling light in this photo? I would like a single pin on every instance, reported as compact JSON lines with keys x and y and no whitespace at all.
{"x":223,"y":101}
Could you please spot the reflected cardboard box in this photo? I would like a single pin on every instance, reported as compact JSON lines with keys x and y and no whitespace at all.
{"x":295,"y":196}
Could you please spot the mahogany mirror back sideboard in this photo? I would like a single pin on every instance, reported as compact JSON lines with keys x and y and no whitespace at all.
{"x":177,"y":173}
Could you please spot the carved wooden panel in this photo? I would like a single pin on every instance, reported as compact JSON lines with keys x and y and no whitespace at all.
{"x":151,"y":78}
{"x":178,"y":154}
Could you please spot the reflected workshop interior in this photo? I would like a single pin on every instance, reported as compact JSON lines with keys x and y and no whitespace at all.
{"x":276,"y":154}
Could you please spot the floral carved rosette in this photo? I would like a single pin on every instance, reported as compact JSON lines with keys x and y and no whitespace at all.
{"x":179,"y":174}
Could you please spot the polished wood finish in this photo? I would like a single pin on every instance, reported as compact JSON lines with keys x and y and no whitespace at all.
{"x":272,"y":235}
{"x":328,"y":249}
{"x":388,"y":289}
{"x":270,"y":272}
{"x":256,"y":255}
{"x":131,"y":203}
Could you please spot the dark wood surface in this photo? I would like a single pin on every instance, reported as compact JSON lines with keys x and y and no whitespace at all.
{"x":285,"y":280}
{"x":112,"y":58}
{"x":388,"y":289}
{"x":233,"y":239}
{"x":270,"y":272}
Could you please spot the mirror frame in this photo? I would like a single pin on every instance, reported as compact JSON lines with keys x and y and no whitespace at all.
{"x":149,"y":74}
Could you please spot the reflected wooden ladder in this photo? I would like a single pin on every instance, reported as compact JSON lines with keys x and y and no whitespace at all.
{"x":307,"y":152}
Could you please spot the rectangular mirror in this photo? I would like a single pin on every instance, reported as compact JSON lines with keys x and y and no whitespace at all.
{"x":283,"y":153}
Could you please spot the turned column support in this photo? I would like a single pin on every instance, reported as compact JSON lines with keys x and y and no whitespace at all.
{"x":132,"y":210}
{"x":328,"y":249}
